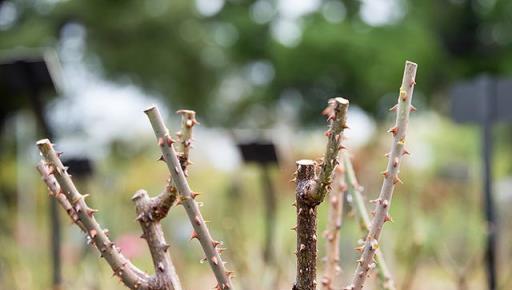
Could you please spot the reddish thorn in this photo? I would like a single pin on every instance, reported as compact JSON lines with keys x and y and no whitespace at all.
{"x":393,"y":130}
{"x":91,"y":212}
{"x":194,"y":235}
{"x":170,"y":141}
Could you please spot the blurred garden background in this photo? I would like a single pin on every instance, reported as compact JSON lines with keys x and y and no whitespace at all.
{"x":254,"y":71}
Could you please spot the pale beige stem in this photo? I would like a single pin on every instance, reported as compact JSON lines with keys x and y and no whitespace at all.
{"x":55,"y":191}
{"x":165,"y":272}
{"x":188,"y":121}
{"x":354,"y":190}
{"x":167,"y":198}
{"x":371,"y":244}
{"x":130,"y":275}
{"x":201,"y":231}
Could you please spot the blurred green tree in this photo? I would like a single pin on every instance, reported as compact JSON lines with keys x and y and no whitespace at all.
{"x":229,"y":59}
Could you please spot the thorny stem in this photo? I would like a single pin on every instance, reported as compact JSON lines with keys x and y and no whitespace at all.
{"x":201,"y":232}
{"x":332,"y":234}
{"x":55,"y":191}
{"x":306,"y":226}
{"x":160,"y":204}
{"x":166,"y":199}
{"x":337,"y":115}
{"x":166,"y":277}
{"x":371,"y":243}
{"x":130,"y":275}
{"x":354,"y":189}
{"x":188,"y":121}
{"x":311,"y":191}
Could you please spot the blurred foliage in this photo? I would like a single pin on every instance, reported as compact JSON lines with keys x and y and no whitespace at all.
{"x":436,"y":208}
{"x":230,"y":66}
{"x":171,"y":49}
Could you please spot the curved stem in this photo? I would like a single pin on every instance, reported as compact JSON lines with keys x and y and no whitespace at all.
{"x":162,"y":203}
{"x":55,"y":191}
{"x":153,"y":234}
{"x":130,"y":275}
